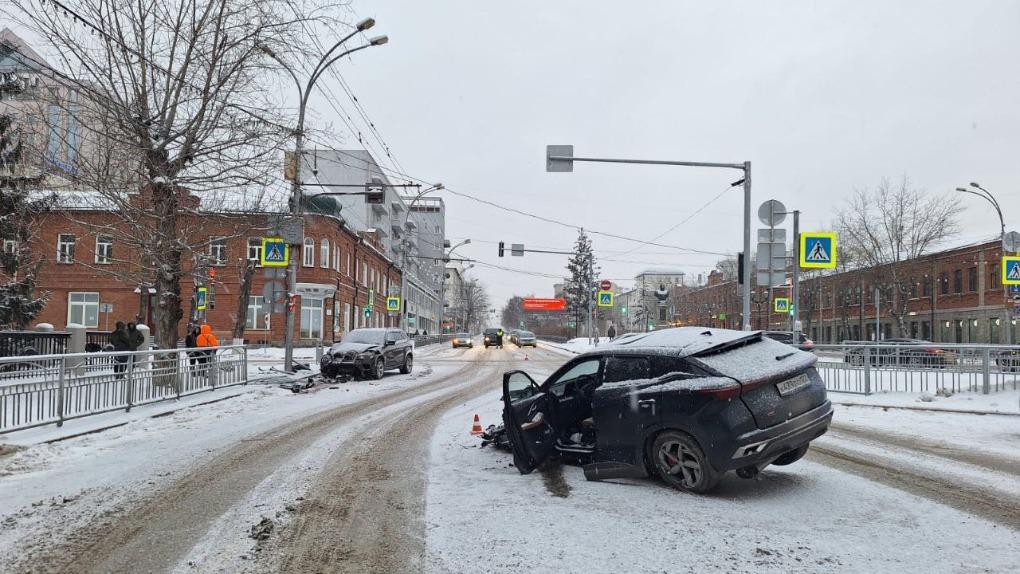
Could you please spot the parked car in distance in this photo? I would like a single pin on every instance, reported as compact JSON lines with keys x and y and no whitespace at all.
{"x":526,"y":339}
{"x":1008,"y":360}
{"x":688,"y":404}
{"x":899,"y":352}
{"x":803,"y":343}
{"x":463,"y":340}
{"x":368,"y":353}
{"x":512,"y":334}
{"x":492,"y":338}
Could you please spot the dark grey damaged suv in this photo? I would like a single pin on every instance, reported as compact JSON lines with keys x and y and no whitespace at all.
{"x":688,"y":404}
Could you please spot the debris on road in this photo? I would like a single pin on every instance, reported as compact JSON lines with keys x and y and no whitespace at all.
{"x":262,"y":530}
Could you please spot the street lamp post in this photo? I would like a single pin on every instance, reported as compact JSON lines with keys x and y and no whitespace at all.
{"x":987,"y":196}
{"x":560,"y":158}
{"x":304,"y":91}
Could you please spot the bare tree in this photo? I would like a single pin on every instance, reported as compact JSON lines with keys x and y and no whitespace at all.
{"x":728,"y":267}
{"x":893,"y":223}
{"x":171,"y":97}
{"x":475,"y":303}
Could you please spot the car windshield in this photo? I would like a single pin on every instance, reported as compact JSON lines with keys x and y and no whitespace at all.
{"x":365,"y":336}
{"x":463,"y":336}
{"x":525,"y":334}
{"x":491,"y":332}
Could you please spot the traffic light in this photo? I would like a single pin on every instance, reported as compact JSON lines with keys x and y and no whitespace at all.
{"x":501,"y":245}
{"x":740,"y":268}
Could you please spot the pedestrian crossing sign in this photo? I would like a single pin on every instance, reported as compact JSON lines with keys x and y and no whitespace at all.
{"x":1011,"y":270}
{"x":782,"y":305}
{"x":201,"y":298}
{"x":275,"y":252}
{"x":393,"y":304}
{"x":605,"y":299}
{"x":818,"y":250}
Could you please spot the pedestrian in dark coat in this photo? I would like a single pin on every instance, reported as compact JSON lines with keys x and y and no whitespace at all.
{"x":191,"y":342}
{"x":611,"y":332}
{"x":135,"y":339}
{"x":121,"y":342}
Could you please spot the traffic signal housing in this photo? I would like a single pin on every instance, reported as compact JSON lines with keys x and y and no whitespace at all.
{"x":501,"y":248}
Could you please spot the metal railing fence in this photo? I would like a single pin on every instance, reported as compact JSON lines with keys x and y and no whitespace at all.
{"x":22,"y":343}
{"x":867,"y":368}
{"x":48,"y":389}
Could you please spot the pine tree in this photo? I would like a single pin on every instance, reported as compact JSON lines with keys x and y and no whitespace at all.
{"x":19,"y":271}
{"x":580,"y":291}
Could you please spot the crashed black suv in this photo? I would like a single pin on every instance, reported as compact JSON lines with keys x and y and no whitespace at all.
{"x":368,"y":353}
{"x":688,"y":404}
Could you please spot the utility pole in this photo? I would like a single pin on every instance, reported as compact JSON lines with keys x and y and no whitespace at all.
{"x":795,"y":317}
{"x":304,"y":91}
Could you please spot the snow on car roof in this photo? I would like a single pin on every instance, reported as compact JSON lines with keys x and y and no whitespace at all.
{"x":685,"y":341}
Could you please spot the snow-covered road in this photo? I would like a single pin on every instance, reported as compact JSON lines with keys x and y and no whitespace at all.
{"x":384,"y":477}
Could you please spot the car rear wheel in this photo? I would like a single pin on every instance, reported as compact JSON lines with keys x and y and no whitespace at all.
{"x":681,"y":463}
{"x":380,"y":369}
{"x":791,"y":457}
{"x":408,"y":364}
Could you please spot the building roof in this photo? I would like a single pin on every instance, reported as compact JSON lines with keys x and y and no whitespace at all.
{"x":663,"y":271}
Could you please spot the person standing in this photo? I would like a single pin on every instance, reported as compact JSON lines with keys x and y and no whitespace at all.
{"x":135,"y":339}
{"x":121,"y":342}
{"x":206,"y":340}
{"x":611,"y":332}
{"x":191,"y":342}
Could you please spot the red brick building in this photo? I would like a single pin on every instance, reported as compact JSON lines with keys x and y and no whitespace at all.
{"x":93,"y":280}
{"x":953,"y":296}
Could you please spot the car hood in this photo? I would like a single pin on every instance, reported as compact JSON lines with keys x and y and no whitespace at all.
{"x":348,"y":347}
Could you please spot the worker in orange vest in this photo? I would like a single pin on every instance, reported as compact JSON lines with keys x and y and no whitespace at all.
{"x":206,"y":339}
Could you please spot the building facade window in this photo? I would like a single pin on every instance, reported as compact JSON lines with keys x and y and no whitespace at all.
{"x":943,"y":283}
{"x":926,"y":286}
{"x":994,"y":330}
{"x":993,"y":279}
{"x":218,"y":251}
{"x":83,"y":309}
{"x":324,"y":254}
{"x":65,"y":248}
{"x":958,"y":281}
{"x":336,"y":258}
{"x":256,"y":319}
{"x":311,"y":318}
{"x":104,"y":250}
{"x":255,"y":250}
{"x":10,"y":246}
{"x":308,"y":252}
{"x":972,"y":282}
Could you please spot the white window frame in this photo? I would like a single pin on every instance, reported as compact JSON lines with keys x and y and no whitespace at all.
{"x":104,"y":250}
{"x":64,"y":255}
{"x":83,"y":304}
{"x":255,"y":319}
{"x":218,"y":251}
{"x":255,"y":250}
{"x":336,"y":257}
{"x":310,"y":304}
{"x":10,"y":246}
{"x":308,"y":252}
{"x":324,"y":254}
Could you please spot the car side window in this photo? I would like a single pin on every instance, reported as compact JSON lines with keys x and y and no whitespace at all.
{"x":586,"y":367}
{"x":626,"y":368}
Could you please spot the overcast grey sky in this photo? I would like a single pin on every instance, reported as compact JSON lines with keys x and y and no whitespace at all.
{"x":822,"y":97}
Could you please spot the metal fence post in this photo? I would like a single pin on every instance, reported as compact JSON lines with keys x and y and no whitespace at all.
{"x":214,"y":369}
{"x":986,"y":368}
{"x":130,"y":380}
{"x":178,"y":377}
{"x":867,"y":370}
{"x":244,"y":364}
{"x":60,"y":393}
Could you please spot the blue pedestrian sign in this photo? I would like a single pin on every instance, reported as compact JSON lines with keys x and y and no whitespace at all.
{"x":605,"y":299}
{"x":781,"y":305}
{"x":201,"y":298}
{"x":818,"y":250}
{"x":1011,"y":270}
{"x":275,"y":252}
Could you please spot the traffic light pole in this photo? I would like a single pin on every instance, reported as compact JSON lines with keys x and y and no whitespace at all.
{"x":560,"y":158}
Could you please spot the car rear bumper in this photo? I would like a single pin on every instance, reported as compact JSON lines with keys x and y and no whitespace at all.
{"x":760,"y":447}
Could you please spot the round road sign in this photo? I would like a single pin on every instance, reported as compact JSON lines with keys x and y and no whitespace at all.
{"x":605,"y":285}
{"x":772,"y":212}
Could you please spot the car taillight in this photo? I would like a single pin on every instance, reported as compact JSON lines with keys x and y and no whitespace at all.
{"x":808,"y":342}
{"x":455,"y":341}
{"x":937,"y":351}
{"x":722,"y":392}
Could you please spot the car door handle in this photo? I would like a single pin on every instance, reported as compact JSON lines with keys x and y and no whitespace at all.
{"x":647,"y":404}
{"x":534,"y":423}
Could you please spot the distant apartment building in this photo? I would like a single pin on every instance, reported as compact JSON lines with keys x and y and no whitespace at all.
{"x":410,"y":227}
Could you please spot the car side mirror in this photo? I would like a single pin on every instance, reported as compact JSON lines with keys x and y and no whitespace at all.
{"x":389,"y":343}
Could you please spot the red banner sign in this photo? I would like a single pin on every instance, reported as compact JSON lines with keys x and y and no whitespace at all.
{"x":533,"y":304}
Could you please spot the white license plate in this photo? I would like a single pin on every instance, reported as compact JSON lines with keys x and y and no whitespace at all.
{"x":790,"y":386}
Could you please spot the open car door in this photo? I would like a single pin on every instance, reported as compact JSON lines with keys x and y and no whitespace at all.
{"x":528,"y":419}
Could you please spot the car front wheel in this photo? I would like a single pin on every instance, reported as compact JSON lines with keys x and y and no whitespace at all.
{"x":408,"y":364}
{"x":681,"y":463}
{"x":380,"y":369}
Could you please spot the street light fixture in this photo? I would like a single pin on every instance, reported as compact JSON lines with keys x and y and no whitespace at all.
{"x":987,"y":196}
{"x":304,"y":92}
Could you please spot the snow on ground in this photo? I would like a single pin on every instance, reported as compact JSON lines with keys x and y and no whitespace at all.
{"x":802,"y":518}
{"x":996,"y":402}
{"x":69,"y":481}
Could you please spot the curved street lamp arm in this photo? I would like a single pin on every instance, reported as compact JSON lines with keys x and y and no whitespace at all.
{"x":990,"y":199}
{"x":322,"y":67}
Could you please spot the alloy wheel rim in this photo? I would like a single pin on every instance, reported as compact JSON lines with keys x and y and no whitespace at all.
{"x":680,"y":460}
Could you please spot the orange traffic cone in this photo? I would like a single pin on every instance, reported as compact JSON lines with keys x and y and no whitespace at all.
{"x":477,"y":427}
{"x":525,"y":356}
